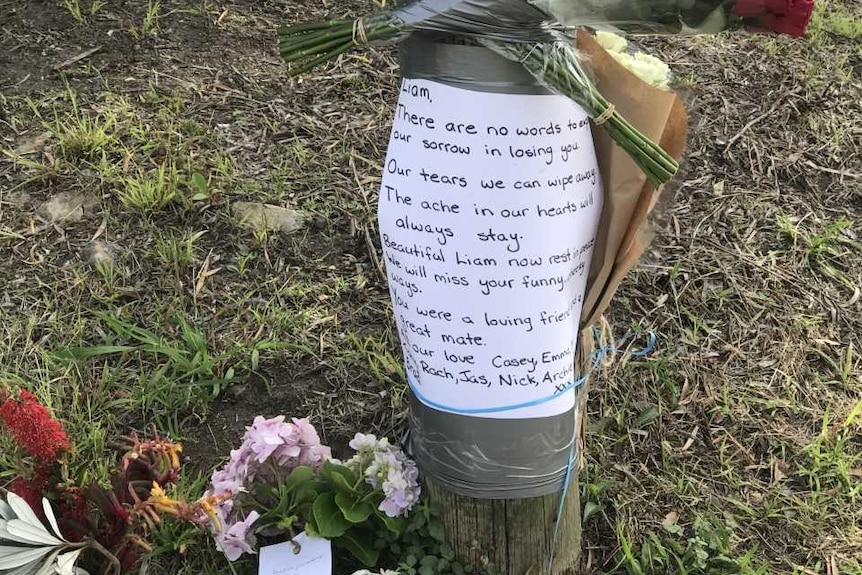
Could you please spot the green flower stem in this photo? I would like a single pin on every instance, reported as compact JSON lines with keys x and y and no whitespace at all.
{"x":321,"y":59}
{"x":296,"y":44}
{"x":327,"y":40}
{"x":556,"y":65}
{"x":313,"y":50}
{"x":312,"y":26}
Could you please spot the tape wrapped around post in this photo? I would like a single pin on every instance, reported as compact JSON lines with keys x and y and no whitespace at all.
{"x":504,"y":451}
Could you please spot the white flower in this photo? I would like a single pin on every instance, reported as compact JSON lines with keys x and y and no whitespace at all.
{"x":27,"y":546}
{"x":611,"y":42}
{"x":659,"y":70}
{"x":648,"y":68}
{"x":362,"y":442}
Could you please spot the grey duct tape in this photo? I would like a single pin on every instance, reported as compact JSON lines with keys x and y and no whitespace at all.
{"x":469,"y":67}
{"x":473,"y":456}
{"x":508,"y":20}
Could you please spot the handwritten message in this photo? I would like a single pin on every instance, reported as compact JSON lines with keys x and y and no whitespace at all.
{"x":488,"y":212}
{"x":303,"y":556}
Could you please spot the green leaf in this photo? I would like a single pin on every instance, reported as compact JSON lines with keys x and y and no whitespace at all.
{"x":446,"y":552}
{"x":590,"y":509}
{"x":437,"y":531}
{"x":200,"y":183}
{"x":417,"y":521}
{"x":85,"y":352}
{"x":353,"y":510}
{"x":646,"y":416}
{"x":311,"y":530}
{"x":330,"y":522}
{"x":396,"y":525}
{"x":200,"y":196}
{"x":361,"y":545}
{"x":304,"y":495}
{"x":298,"y":478}
{"x":342,"y":478}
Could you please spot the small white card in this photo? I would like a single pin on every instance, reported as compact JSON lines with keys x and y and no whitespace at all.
{"x":314,"y":557}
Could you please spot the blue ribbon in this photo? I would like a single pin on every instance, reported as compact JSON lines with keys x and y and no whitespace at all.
{"x":478,"y":410}
{"x":598,"y":356}
{"x":617,"y":347}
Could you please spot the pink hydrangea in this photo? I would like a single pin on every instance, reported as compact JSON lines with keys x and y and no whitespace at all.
{"x":237,"y":538}
{"x":265,"y":436}
{"x":270,"y":450}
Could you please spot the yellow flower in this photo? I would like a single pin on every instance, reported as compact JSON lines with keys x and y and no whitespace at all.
{"x":174,"y":450}
{"x":160,"y":500}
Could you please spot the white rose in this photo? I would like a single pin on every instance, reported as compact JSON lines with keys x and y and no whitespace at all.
{"x":611,"y":42}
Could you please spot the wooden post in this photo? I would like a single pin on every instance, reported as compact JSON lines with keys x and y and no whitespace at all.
{"x":515,"y":535}
{"x":519,"y":464}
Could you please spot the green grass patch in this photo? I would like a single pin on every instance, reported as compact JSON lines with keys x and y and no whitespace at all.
{"x":834,"y":18}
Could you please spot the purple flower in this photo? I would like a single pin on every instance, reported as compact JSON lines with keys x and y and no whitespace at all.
{"x":222,"y":483}
{"x":307,"y":434}
{"x":265,"y":436}
{"x":270,"y":450}
{"x":390,"y":507}
{"x":385,"y":467}
{"x":401,"y":487}
{"x":237,"y":471}
{"x":315,"y":455}
{"x":237,"y":538}
{"x":286,"y":453}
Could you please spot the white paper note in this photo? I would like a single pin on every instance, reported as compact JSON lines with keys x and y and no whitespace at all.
{"x":314,"y":558}
{"x":488,"y":213}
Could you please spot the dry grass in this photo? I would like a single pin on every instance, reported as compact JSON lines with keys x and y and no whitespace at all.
{"x":747,"y":415}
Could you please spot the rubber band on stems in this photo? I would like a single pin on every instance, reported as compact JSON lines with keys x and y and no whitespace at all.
{"x":605,"y":116}
{"x":360,"y":37}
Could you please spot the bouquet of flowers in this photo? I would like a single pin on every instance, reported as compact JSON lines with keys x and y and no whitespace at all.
{"x":536,"y":34}
{"x":50,"y":523}
{"x":282,"y":480}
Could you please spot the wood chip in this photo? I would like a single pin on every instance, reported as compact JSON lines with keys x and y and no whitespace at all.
{"x":78,"y":58}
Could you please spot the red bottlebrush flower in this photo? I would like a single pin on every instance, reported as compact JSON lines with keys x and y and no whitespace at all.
{"x":29,"y":491}
{"x":34,"y":488}
{"x":33,"y":428}
{"x":74,"y":512}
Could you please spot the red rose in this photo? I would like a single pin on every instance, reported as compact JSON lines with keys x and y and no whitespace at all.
{"x":781,"y":16}
{"x":749,"y":8}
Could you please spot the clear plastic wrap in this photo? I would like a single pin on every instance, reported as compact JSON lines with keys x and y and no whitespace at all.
{"x":504,"y":20}
{"x":524,"y":20}
{"x":513,"y":28}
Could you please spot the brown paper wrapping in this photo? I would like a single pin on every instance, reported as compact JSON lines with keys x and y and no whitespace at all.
{"x":629,"y":197}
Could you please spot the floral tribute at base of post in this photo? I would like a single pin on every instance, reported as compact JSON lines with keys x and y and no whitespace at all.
{"x":51,"y":523}
{"x":279,"y":482}
{"x":282,"y":481}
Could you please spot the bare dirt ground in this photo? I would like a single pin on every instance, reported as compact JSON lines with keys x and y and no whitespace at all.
{"x":736,"y":444}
